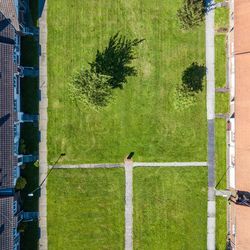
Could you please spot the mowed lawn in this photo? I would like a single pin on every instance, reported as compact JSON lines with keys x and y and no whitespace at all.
{"x":142,"y":118}
{"x":170,"y":206}
{"x":86,"y":209}
{"x":222,"y":106}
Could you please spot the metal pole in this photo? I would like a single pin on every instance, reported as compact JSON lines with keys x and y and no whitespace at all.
{"x":32,"y":193}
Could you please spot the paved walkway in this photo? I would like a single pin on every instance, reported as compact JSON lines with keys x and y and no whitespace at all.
{"x":129,"y":205}
{"x":90,"y":165}
{"x":210,"y":61}
{"x":223,"y":193}
{"x":134,"y":164}
{"x":129,"y":164}
{"x":222,"y":116}
{"x":43,"y":118}
{"x":170,"y":164}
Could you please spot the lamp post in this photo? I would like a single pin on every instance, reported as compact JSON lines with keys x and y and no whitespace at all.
{"x":31,"y":194}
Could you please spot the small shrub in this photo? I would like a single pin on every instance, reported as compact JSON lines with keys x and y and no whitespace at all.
{"x":91,"y":89}
{"x":22,"y":146}
{"x":20,"y":183}
{"x":36,"y":164}
{"x":22,"y":227}
{"x":183,"y":99}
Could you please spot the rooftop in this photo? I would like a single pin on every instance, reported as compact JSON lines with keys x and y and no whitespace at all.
{"x":8,"y":9}
{"x":7,"y":114}
{"x":7,"y":119}
{"x":242,"y":116}
{"x":7,"y":222}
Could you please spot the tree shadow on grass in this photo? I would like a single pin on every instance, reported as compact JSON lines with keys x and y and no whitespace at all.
{"x":115,"y":60}
{"x":192,"y":77}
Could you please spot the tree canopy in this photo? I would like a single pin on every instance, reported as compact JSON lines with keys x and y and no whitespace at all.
{"x":192,"y":84}
{"x":192,"y":13}
{"x":115,"y":60}
{"x":91,"y":88}
{"x":20,"y":183}
{"x":192,"y":77}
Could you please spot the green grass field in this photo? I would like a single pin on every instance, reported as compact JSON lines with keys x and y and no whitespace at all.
{"x":86,"y":209}
{"x":169,"y":204}
{"x":142,"y":117}
{"x":170,"y":208}
{"x":221,"y":223}
{"x":222,"y":106}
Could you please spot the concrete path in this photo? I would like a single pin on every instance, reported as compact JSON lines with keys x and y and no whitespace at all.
{"x":223,"y":193}
{"x":170,"y":164}
{"x":210,"y":61}
{"x":222,"y":90}
{"x":129,"y":185}
{"x":134,"y":164}
{"x":43,"y":118}
{"x":129,"y":205}
{"x":90,"y":165}
{"x":222,"y":116}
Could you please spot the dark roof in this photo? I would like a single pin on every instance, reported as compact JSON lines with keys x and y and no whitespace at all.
{"x":7,"y":114}
{"x":7,"y":118}
{"x":7,"y":222}
{"x":8,"y":9}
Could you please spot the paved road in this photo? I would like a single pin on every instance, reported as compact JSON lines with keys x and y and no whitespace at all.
{"x":210,"y":61}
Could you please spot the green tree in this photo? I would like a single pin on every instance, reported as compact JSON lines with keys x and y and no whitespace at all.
{"x":20,"y":183}
{"x":192,"y":84}
{"x":91,"y":88}
{"x":115,"y":59}
{"x":22,"y":227}
{"x":192,"y":77}
{"x":191,"y":13}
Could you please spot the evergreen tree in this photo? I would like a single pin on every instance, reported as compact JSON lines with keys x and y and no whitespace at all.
{"x":115,"y":59}
{"x":192,"y":13}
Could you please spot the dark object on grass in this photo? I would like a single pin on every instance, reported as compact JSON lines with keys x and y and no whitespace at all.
{"x":131,"y":154}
